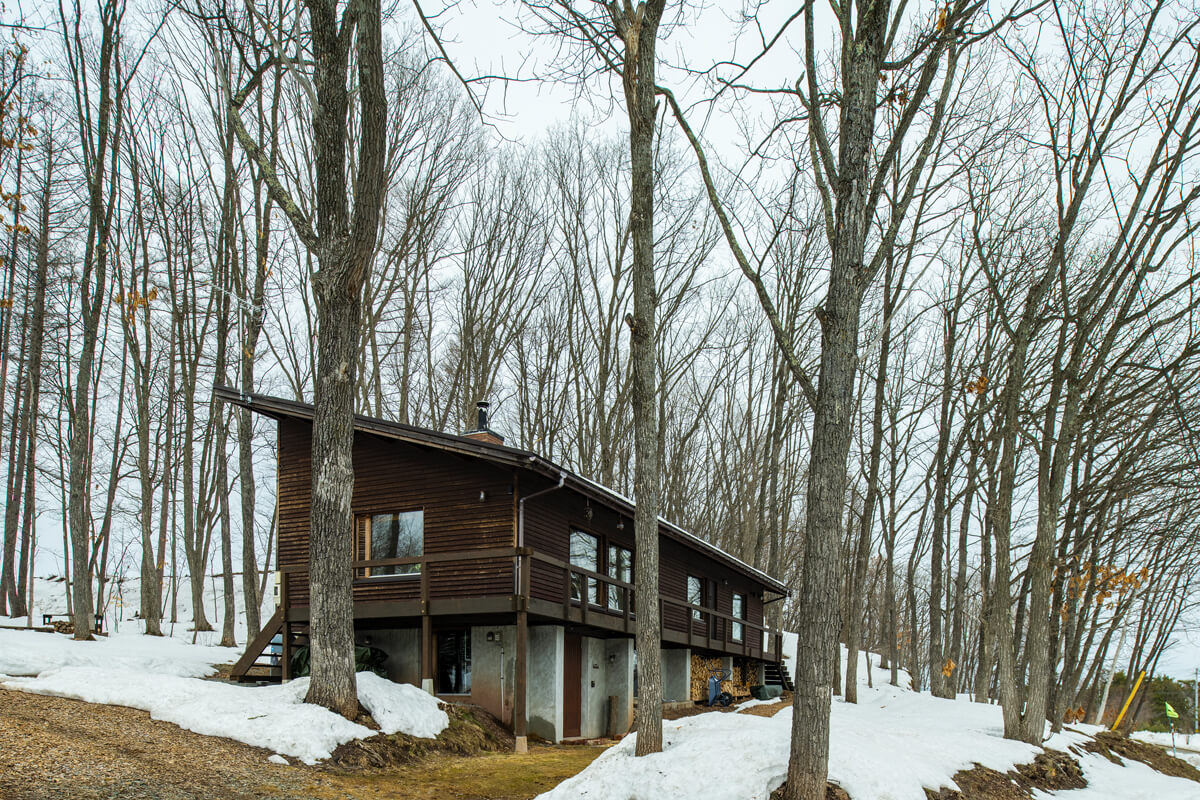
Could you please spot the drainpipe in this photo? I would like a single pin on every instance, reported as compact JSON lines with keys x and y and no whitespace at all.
{"x":562,"y":479}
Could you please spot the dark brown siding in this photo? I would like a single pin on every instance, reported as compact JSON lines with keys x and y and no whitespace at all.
{"x":549,"y":518}
{"x":392,"y":476}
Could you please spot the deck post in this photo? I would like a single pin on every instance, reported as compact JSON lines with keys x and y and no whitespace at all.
{"x":520,"y":684}
{"x":285,"y":651}
{"x":426,"y":633}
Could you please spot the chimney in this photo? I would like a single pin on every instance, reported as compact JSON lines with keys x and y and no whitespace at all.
{"x":482,"y":432}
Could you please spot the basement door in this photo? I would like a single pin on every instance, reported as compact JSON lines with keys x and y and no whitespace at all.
{"x":572,"y":683}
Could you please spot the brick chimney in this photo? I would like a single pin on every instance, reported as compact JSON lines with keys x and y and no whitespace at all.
{"x":482,"y":432}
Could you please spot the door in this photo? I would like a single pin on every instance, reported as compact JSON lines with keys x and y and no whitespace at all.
{"x":572,"y":681}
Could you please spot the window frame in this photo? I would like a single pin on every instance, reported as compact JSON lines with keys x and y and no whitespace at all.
{"x":737,"y":631}
{"x":593,"y":586}
{"x":697,"y":615}
{"x":363,"y":525}
{"x":613,"y":602}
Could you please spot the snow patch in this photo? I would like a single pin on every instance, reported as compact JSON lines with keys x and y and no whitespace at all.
{"x":401,"y":707}
{"x":272,"y":717}
{"x":33,"y":652}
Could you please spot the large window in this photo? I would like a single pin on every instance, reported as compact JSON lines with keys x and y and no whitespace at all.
{"x":739,"y":611}
{"x":399,"y":535}
{"x":585,"y":553}
{"x":695,"y":595}
{"x":620,"y":567}
{"x":454,"y":662}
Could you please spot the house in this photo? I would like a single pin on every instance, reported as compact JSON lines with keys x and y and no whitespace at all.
{"x":493,"y":576}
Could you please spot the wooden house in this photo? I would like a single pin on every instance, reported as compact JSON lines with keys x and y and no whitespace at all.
{"x":494,"y":576}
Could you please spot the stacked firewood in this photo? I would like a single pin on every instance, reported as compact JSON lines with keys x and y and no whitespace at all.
{"x":744,"y":676}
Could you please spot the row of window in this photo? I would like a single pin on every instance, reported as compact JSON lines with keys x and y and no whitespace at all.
{"x":584,"y":552}
{"x":696,"y":596}
{"x":401,"y":535}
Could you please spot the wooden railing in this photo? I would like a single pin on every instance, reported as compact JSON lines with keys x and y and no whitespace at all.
{"x":606,"y":588}
{"x":597,"y":598}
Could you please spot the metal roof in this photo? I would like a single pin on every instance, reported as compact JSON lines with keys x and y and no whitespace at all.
{"x":278,"y":408}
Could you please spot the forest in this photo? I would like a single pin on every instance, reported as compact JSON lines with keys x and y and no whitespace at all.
{"x":920,"y":335}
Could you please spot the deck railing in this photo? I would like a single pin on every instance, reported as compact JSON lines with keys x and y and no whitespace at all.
{"x":589,"y":596}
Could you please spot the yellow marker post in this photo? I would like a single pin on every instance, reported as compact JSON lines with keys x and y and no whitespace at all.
{"x":1129,"y":700}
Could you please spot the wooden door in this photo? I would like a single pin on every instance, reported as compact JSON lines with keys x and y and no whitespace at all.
{"x":572,"y":683}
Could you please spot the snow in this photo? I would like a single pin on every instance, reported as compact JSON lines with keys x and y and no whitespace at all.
{"x":891,"y":745}
{"x":275,"y":758}
{"x":1131,"y":780}
{"x":272,"y":717}
{"x":401,"y":707}
{"x":164,"y":677}
{"x":27,"y":653}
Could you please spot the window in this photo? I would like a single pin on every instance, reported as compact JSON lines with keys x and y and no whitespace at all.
{"x":620,"y":567}
{"x":394,"y":536}
{"x":454,"y":662}
{"x":739,"y":611}
{"x":695,"y":596}
{"x":585,"y":553}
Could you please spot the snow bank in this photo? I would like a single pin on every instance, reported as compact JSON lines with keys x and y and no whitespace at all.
{"x":890,"y":746}
{"x":732,"y":756}
{"x":26,"y":653}
{"x":272,"y":717}
{"x":401,"y":707}
{"x":1130,"y":780}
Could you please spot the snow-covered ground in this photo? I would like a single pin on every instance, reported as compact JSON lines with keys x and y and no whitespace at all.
{"x":890,"y":746}
{"x":124,"y":600}
{"x":164,"y":676}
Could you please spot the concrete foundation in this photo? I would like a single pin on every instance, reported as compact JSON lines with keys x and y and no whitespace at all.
{"x":677,"y":675}
{"x":606,"y":676}
{"x":544,"y":668}
{"x":493,"y":667}
{"x":403,"y":647}
{"x":619,"y":683}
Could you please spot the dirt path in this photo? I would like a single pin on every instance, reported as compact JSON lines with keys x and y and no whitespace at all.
{"x":56,"y":748}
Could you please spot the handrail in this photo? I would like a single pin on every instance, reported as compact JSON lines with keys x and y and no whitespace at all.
{"x":713,"y":612}
{"x":625,"y":591}
{"x":432,"y":558}
{"x":581,"y":570}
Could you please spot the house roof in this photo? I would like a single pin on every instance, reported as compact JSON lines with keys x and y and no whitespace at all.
{"x":279,"y":408}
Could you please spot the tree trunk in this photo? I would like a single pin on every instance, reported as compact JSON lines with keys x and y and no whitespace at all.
{"x":331,"y":546}
{"x":863,"y":551}
{"x":640,"y":32}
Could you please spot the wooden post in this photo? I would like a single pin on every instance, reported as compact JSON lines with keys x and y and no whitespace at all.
{"x":520,"y":684}
{"x":426,"y":633}
{"x":286,"y":649}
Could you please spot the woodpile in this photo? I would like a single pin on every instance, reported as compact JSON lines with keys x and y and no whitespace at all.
{"x":745,"y":675}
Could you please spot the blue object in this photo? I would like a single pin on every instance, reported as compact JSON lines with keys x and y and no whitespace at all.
{"x":715,"y":695}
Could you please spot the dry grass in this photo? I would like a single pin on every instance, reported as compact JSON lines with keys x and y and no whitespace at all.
{"x":51,"y":747}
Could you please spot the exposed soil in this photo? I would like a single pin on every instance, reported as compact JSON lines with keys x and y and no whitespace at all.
{"x":770,"y":710}
{"x":1050,"y":771}
{"x":52,"y":747}
{"x":1110,"y":745}
{"x":472,"y":731}
{"x":981,"y":783}
{"x":832,"y":792}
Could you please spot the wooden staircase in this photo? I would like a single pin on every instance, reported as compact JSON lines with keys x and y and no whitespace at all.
{"x":777,"y":674}
{"x":256,"y":664}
